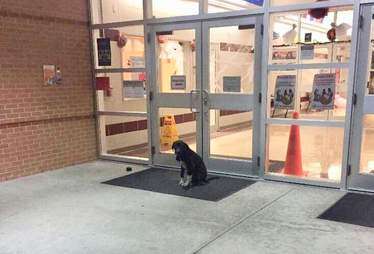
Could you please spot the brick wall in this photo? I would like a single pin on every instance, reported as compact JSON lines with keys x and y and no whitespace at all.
{"x":44,"y":127}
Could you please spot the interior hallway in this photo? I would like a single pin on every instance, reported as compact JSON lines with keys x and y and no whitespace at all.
{"x":70,"y":211}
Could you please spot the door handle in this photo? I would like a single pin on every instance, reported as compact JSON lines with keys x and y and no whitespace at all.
{"x":193,"y":91}
{"x":206,"y":100}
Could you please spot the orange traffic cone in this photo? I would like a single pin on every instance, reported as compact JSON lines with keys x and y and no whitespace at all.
{"x":293,"y":165}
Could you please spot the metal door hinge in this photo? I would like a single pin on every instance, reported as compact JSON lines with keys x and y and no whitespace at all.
{"x":258,"y":161}
{"x":354,"y":99}
{"x":153,"y":150}
{"x":262,"y":29}
{"x":148,"y":37}
{"x":361,"y":22}
{"x":260,"y":98}
{"x":349,"y":170}
{"x":150,"y":95}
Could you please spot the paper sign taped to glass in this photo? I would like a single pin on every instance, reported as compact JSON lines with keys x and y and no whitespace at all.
{"x":178,"y":82}
{"x":133,"y":89}
{"x":285,"y":92}
{"x":323,"y":91}
{"x":307,"y":52}
{"x":232,"y":84}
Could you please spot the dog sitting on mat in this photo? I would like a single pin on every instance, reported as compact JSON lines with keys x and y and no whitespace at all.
{"x":190,"y":162}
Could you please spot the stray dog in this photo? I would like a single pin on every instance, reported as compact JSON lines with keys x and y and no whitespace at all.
{"x":190,"y":162}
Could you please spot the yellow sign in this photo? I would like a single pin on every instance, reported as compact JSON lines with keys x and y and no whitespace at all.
{"x":169,"y":132}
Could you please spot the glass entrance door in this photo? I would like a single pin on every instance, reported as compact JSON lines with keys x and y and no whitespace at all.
{"x":231,"y":84}
{"x":176,"y":89}
{"x":362,"y":156}
{"x":205,"y":91}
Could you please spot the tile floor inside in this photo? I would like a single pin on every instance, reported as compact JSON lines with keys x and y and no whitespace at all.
{"x":70,"y":211}
{"x":321,"y":149}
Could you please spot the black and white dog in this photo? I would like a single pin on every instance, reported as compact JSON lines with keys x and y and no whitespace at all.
{"x":190,"y":162}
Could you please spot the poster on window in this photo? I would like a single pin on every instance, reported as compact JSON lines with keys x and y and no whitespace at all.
{"x":323,"y":91}
{"x":285,"y":92}
{"x":104,"y":52}
{"x":133,"y":89}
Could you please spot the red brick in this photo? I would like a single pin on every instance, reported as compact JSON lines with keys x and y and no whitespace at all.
{"x":44,"y":127}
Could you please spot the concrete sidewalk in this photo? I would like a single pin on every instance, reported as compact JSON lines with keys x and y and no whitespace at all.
{"x":69,"y":211}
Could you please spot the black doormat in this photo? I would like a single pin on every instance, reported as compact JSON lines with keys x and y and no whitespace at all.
{"x":353,"y":208}
{"x":166,"y":181}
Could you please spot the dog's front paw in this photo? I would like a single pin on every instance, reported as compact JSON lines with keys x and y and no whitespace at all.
{"x":181,"y":182}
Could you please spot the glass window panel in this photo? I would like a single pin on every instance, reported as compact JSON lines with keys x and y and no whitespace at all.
{"x":297,"y":37}
{"x":127,"y":92}
{"x":287,"y":2}
{"x":321,"y":151}
{"x":176,"y":56}
{"x":177,"y":123}
{"x":126,"y":45}
{"x":367,"y":145}
{"x":124,"y":135}
{"x":172,"y":8}
{"x":233,"y":5}
{"x":116,"y":11}
{"x":231,"y":59}
{"x":314,"y":98}
{"x":231,"y":134}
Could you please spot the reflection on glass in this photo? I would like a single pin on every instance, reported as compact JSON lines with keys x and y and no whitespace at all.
{"x":124,"y":135}
{"x":116,"y":11}
{"x":233,"y":5}
{"x":367,"y":145}
{"x":173,"y":8}
{"x":231,"y":59}
{"x":321,"y":151}
{"x":176,"y":65}
{"x":175,"y":124}
{"x":318,"y":94}
{"x":231,"y":134}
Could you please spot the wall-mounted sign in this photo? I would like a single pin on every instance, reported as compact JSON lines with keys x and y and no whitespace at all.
{"x":104,"y":52}
{"x":285,"y":92}
{"x":137,"y":62}
{"x":232,"y":84}
{"x":178,"y":82}
{"x":52,"y":75}
{"x":133,"y":89}
{"x":323,"y":93}
{"x":102,"y":83}
{"x":307,"y":52}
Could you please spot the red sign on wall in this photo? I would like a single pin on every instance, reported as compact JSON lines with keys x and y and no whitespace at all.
{"x":102,"y":83}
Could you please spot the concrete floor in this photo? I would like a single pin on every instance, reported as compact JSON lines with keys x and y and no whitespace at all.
{"x":69,"y":211}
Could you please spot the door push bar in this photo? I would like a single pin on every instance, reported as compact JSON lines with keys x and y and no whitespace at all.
{"x":206,"y":99}
{"x":193,"y":91}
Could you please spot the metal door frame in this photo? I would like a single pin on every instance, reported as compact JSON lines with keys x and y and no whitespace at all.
{"x":355,"y":180}
{"x":246,"y":102}
{"x":172,"y":100}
